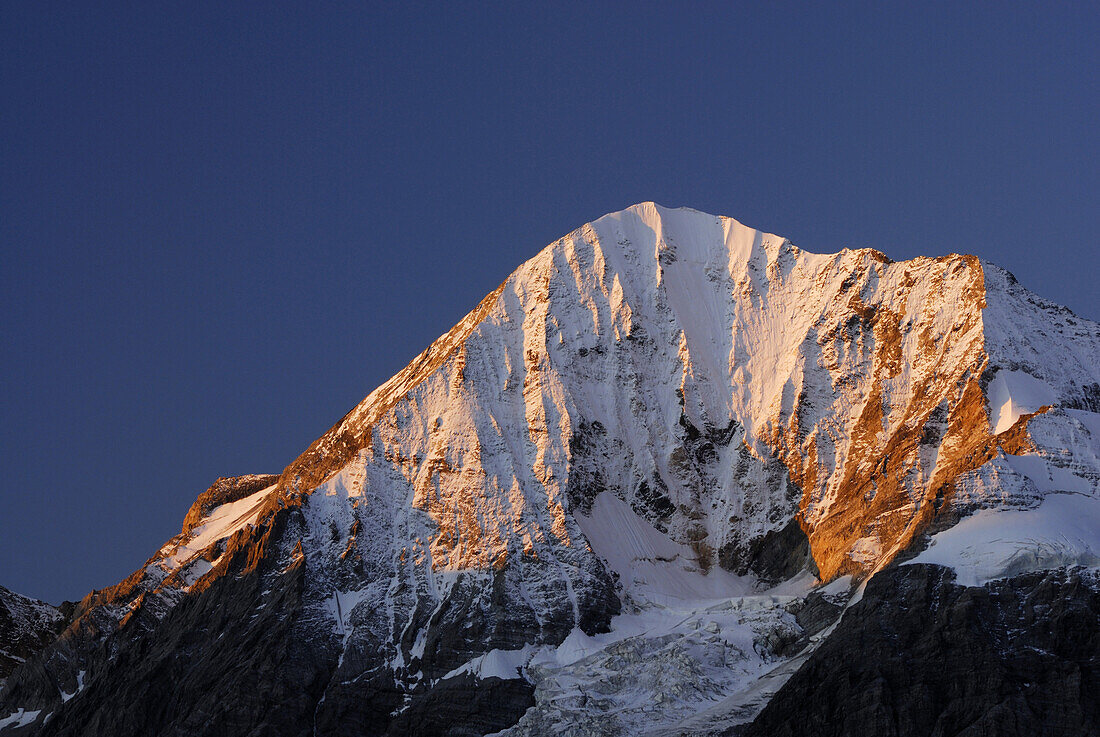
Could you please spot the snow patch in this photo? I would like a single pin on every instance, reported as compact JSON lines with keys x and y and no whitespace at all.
{"x":1013,"y":394}
{"x":223,"y":521}
{"x":1046,"y":476}
{"x":19,"y":718}
{"x":503,"y":664}
{"x":652,"y":568}
{"x":341,"y":605}
{"x":837,"y":587}
{"x":866,"y":550}
{"x":1063,"y":530}
{"x":79,"y":687}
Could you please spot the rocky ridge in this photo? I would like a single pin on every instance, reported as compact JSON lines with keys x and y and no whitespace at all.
{"x":26,"y":627}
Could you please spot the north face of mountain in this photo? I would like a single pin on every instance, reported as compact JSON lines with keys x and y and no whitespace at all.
{"x":632,"y":491}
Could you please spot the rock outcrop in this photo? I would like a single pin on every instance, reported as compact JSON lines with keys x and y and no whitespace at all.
{"x":26,"y":627}
{"x":921,"y":655}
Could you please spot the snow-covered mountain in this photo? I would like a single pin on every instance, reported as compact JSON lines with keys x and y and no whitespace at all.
{"x":631,"y":492}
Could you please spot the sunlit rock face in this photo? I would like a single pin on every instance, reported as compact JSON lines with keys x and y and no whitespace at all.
{"x":660,"y":411}
{"x":717,"y":379}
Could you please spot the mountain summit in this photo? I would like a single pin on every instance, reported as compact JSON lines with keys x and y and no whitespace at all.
{"x":632,"y":492}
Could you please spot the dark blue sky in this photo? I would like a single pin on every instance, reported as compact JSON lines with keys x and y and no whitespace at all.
{"x":221,"y":227}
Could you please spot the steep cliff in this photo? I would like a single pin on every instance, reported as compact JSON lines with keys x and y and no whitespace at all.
{"x":26,"y":627}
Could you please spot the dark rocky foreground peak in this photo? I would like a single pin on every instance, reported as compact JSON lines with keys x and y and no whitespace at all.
{"x":26,"y":627}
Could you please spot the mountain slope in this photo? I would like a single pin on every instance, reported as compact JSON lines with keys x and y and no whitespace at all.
{"x":26,"y":626}
{"x":648,"y":445}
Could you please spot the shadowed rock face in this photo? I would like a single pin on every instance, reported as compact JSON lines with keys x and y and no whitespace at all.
{"x":246,"y":656}
{"x":776,"y":556}
{"x":920,"y":655}
{"x":26,"y":627}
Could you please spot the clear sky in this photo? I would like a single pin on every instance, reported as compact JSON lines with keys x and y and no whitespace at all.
{"x":223,"y":225}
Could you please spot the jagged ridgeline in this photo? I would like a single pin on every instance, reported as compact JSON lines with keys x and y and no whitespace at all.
{"x":640,"y":489}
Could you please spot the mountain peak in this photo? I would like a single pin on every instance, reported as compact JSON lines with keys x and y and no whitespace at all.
{"x":663,"y":434}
